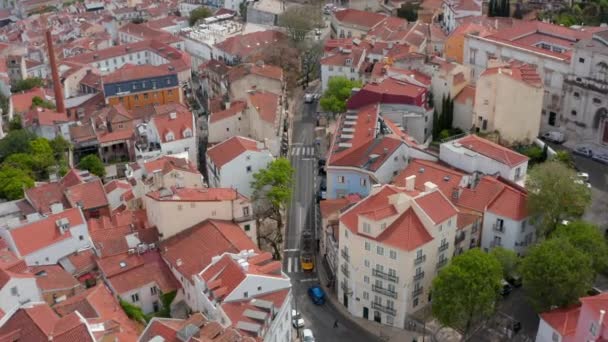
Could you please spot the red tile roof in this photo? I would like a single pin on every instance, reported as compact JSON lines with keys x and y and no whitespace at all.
{"x":117,"y":184}
{"x":492,"y":150}
{"x":235,"y":310}
{"x":521,"y":72}
{"x":44,"y":232}
{"x":210,"y":331}
{"x":166,"y":164}
{"x":390,"y":91}
{"x":436,"y":206}
{"x":563,"y":320}
{"x":224,"y":276}
{"x":466,"y":94}
{"x":478,"y":197}
{"x":90,"y":195}
{"x":82,"y":261}
{"x":245,"y":44}
{"x":195,"y":246}
{"x":53,"y":278}
{"x":263,"y":70}
{"x":41,"y":197}
{"x":511,"y":203}
{"x":236,"y":107}
{"x":266,"y":104}
{"x":44,"y":117}
{"x":131,"y":72}
{"x":444,"y":177}
{"x":196,"y":195}
{"x":406,"y":232}
{"x":23,"y":101}
{"x":34,"y":323}
{"x":184,"y":120}
{"x":150,"y":268}
{"x":227,"y":150}
{"x":360,"y":18}
{"x":335,"y":206}
{"x":466,"y":219}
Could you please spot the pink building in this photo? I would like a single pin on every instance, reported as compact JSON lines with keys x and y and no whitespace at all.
{"x":581,"y":322}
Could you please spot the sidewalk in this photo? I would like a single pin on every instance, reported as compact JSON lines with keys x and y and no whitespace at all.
{"x":384,"y":332}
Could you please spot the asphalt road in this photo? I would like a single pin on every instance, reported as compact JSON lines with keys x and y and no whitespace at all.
{"x":302,"y":215}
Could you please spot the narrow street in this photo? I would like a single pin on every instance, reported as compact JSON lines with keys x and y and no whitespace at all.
{"x":302,"y":214}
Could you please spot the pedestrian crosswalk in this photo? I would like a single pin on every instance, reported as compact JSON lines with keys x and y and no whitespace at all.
{"x":293,"y":264}
{"x":303,"y":151}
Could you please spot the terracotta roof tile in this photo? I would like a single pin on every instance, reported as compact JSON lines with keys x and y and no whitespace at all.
{"x":23,"y":101}
{"x":196,"y":195}
{"x":183,"y":122}
{"x":491,"y":150}
{"x":41,"y":197}
{"x":331,"y":207}
{"x":563,"y":320}
{"x":90,"y":195}
{"x":227,"y":150}
{"x":444,"y":177}
{"x":151,"y":269}
{"x":466,"y":94}
{"x":236,"y":107}
{"x":131,"y":72}
{"x":436,"y":206}
{"x":266,"y":104}
{"x":359,"y":18}
{"x":245,"y":44}
{"x":53,"y":278}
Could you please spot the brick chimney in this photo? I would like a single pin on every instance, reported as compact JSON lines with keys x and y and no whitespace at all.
{"x":55,"y":74}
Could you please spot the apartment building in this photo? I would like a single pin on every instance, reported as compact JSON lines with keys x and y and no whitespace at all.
{"x":455,"y":10}
{"x":392,"y":244}
{"x":233,"y":162}
{"x":473,"y":154}
{"x":225,"y":277}
{"x":354,"y":23}
{"x":173,"y":210}
{"x":498,"y":86}
{"x":345,"y":62}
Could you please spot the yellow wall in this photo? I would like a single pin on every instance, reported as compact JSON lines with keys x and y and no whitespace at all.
{"x":454,"y":48}
{"x":161,"y":96}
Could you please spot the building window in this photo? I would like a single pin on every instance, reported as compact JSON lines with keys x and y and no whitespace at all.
{"x":135,"y":297}
{"x":153,"y":290}
{"x":192,"y":205}
{"x":145,"y":96}
{"x":80,"y":237}
{"x":366,"y":263}
{"x":247,"y":227}
{"x":523,"y":226}
{"x":368,"y":246}
{"x":555,"y":337}
{"x":363,"y":182}
{"x":596,"y":100}
{"x":593,"y":329}
{"x":576,"y":95}
{"x":389,"y":320}
{"x":259,"y":288}
{"x":573,"y":113}
{"x":245,"y":294}
{"x":380,"y":250}
{"x":366,"y":227}
{"x":581,"y":60}
{"x":415,"y":304}
{"x":179,"y":207}
{"x":346,"y":233}
{"x":248,"y":169}
{"x":383,"y":226}
{"x":366,"y":279}
{"x":393,"y":254}
{"x":392,"y":272}
{"x":245,"y":211}
{"x":365,"y":295}
{"x":472,"y":55}
{"x":14,"y":291}
{"x":341,"y":179}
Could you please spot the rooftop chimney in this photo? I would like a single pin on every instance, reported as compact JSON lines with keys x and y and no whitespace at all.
{"x":410,"y":182}
{"x":55,"y":74}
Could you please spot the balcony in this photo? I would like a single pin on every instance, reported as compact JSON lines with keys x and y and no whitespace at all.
{"x":384,"y":275}
{"x":419,"y":260}
{"x":345,"y":255}
{"x":418,"y":276}
{"x":442,"y":263}
{"x":345,"y":270}
{"x":443,"y":247}
{"x":588,"y":83}
{"x":498,"y":228}
{"x":383,"y":291}
{"x":417,"y":292}
{"x":385,"y":309}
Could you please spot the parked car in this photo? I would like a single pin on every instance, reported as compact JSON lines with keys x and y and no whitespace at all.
{"x":316,"y":294}
{"x":323,"y":185}
{"x":583,"y":151}
{"x":506,"y":288}
{"x":514,"y":280}
{"x":296,"y":319}
{"x":322,"y":166}
{"x":602,"y":158}
{"x":309,"y":98}
{"x":321,"y":195}
{"x":307,"y":336}
{"x":554,"y":136}
{"x":583,"y":175}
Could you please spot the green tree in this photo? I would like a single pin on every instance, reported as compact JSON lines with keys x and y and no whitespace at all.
{"x":586,"y":237}
{"x":4,"y":104}
{"x":272,"y":189}
{"x":507,"y":259}
{"x":553,"y":196}
{"x":198,"y":14}
{"x":60,"y":147}
{"x":299,"y":20}
{"x":27,"y":84}
{"x":37,"y":101}
{"x":492,"y":8}
{"x":555,"y":273}
{"x":408,"y":11}
{"x":13,"y":181}
{"x":466,"y":291}
{"x":338,"y":91}
{"x":15,"y":123}
{"x":243,"y":10}
{"x":564,"y":157}
{"x":93,"y":164}
{"x":17,"y":141}
{"x":436,"y":125}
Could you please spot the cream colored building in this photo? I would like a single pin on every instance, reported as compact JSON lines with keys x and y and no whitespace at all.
{"x":392,"y":244}
{"x":449,"y":79}
{"x":509,"y":99}
{"x":175,"y":210}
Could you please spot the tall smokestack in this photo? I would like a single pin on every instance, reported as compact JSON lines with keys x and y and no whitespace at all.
{"x":55,"y":74}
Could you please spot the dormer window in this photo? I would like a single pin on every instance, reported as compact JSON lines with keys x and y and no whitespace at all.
{"x":366,"y":227}
{"x":349,"y":61}
{"x":187,"y":133}
{"x":169,"y":136}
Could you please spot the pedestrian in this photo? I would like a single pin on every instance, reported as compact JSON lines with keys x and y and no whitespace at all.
{"x":335,"y":323}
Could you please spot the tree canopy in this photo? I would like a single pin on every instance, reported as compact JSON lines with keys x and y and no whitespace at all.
{"x":93,"y":164}
{"x":299,"y":21}
{"x":13,"y":181}
{"x":37,"y":101}
{"x":587,"y":238}
{"x":27,"y":84}
{"x":466,"y":290}
{"x":408,"y":11}
{"x":553,"y":196}
{"x":338,"y":91}
{"x":199,"y":14}
{"x":508,"y":260}
{"x":15,"y":141}
{"x":555,"y":273}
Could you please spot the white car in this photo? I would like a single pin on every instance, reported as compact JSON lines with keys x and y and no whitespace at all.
{"x":307,"y":336}
{"x":583,"y":151}
{"x":296,"y":319}
{"x":308,"y":98}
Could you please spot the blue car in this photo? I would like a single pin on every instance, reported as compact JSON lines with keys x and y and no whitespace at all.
{"x":317,"y":294}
